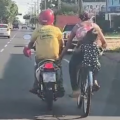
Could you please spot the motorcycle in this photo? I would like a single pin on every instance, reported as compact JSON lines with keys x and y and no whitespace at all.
{"x":47,"y":76}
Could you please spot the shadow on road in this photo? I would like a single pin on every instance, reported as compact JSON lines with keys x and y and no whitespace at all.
{"x":17,"y":103}
{"x":4,"y":38}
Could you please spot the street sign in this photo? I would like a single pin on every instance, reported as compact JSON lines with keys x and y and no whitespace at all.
{"x":113,"y":6}
{"x":94,"y":7}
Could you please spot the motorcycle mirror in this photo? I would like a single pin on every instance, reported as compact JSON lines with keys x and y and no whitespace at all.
{"x":27,"y":37}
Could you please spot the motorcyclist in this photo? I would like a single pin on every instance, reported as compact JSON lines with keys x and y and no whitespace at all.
{"x":48,"y":44}
{"x":80,"y":30}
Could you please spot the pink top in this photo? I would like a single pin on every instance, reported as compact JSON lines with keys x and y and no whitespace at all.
{"x":80,"y":29}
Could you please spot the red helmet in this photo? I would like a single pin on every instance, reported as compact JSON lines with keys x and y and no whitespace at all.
{"x":46,"y":17}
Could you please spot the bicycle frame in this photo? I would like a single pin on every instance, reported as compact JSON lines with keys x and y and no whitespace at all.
{"x":90,"y":78}
{"x":88,"y":75}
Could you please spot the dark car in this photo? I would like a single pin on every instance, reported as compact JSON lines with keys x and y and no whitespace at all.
{"x":24,"y":26}
{"x":15,"y":26}
{"x":33,"y":28}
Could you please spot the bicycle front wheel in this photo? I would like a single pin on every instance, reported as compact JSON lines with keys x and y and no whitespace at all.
{"x":79,"y":82}
{"x":87,"y":94}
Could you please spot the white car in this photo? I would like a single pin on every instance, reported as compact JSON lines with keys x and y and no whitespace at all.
{"x":5,"y":31}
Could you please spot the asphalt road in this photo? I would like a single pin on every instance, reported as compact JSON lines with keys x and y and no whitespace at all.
{"x":16,"y":78}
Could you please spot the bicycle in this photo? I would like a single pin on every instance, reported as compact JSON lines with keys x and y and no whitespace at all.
{"x":85,"y":82}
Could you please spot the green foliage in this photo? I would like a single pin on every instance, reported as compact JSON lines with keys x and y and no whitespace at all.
{"x":114,"y":50}
{"x":34,"y":20}
{"x":69,"y":9}
{"x":48,"y":3}
{"x":26,"y":17}
{"x":8,"y":10}
{"x":66,"y":8}
{"x":13,"y":11}
{"x":16,"y":20}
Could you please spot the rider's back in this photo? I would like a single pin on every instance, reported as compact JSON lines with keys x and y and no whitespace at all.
{"x":80,"y":28}
{"x":47,"y":43}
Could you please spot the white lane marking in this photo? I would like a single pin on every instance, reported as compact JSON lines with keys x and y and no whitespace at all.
{"x":14,"y":35}
{"x":8,"y":42}
{"x":66,"y":60}
{"x":1,"y":50}
{"x":5,"y":45}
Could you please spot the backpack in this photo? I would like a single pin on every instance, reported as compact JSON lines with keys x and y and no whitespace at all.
{"x":82,"y":30}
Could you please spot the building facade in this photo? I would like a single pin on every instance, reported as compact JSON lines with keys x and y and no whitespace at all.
{"x":94,"y":7}
{"x":91,"y":6}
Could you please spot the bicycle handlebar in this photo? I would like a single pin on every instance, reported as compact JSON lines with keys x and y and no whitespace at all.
{"x":101,"y":49}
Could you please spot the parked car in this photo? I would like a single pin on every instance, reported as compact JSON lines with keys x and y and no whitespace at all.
{"x":5,"y":30}
{"x":33,"y":28}
{"x":24,"y":26}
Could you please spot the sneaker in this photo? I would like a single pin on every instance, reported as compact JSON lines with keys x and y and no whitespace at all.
{"x":61,"y":92}
{"x":96,"y":86}
{"x":33,"y":90}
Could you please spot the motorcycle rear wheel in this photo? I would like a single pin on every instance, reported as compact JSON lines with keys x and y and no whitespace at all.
{"x":49,"y":99}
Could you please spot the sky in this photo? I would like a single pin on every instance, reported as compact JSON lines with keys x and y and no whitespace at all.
{"x":23,"y":7}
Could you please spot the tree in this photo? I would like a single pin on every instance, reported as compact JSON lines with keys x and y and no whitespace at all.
{"x":13,"y":11}
{"x":16,"y":20}
{"x":8,"y":10}
{"x":33,"y":20}
{"x":67,"y":8}
{"x":26,"y":17}
{"x":70,"y":8}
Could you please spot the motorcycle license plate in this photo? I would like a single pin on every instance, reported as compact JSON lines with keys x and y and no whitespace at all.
{"x":49,"y":77}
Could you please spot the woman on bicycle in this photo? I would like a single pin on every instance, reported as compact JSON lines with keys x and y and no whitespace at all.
{"x":89,"y":36}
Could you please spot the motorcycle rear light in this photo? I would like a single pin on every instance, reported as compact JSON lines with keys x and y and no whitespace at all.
{"x":48,"y":65}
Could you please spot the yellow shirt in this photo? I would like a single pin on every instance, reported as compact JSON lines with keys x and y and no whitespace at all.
{"x":47,"y":40}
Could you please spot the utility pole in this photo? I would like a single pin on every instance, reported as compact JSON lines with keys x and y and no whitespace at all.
{"x":35,"y":10}
{"x":32,"y":14}
{"x":76,"y":2}
{"x":38,"y":6}
{"x":45,"y":4}
{"x":59,"y":5}
{"x":80,"y":6}
{"x":38,"y":9}
{"x":1,"y":19}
